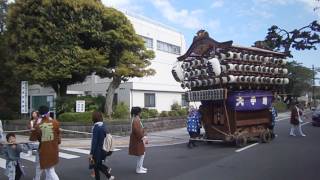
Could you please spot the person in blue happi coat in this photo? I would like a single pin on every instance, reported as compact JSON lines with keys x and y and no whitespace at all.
{"x":193,"y":125}
{"x":274,"y":114}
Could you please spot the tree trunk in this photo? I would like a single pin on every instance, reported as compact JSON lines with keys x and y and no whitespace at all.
{"x":115,"y":83}
{"x":60,"y":89}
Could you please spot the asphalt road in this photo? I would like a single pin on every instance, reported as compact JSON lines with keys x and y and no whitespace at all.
{"x":294,"y":158}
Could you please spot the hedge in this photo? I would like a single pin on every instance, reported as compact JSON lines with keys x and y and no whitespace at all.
{"x":149,"y":113}
{"x":75,"y":117}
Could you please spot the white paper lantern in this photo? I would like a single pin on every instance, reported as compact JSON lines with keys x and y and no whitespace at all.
{"x":231,"y":79}
{"x":285,"y":71}
{"x":230,"y":55}
{"x":214,"y":66}
{"x":246,"y":57}
{"x":286,"y":81}
{"x":177,"y":72}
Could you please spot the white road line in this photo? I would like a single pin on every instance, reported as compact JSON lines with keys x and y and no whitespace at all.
{"x":2,"y":163}
{"x":305,"y":123}
{"x":82,"y":151}
{"x":28,"y":157}
{"x":77,"y":150}
{"x":67,"y":156}
{"x":282,"y":119}
{"x":247,"y":147}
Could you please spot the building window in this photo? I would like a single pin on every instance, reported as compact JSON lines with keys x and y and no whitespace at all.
{"x":148,"y":42}
{"x":184,"y":102}
{"x":166,"y":47}
{"x":149,"y":100}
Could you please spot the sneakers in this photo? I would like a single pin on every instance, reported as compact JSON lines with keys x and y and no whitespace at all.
{"x":143,"y":168}
{"x":141,"y":171}
{"x":292,"y":134}
{"x":111,"y":178}
{"x":303,"y":135}
{"x":93,"y":174}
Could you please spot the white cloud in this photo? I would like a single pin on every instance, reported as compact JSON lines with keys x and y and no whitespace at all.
{"x":217,"y":4}
{"x":255,"y":11}
{"x":123,"y":5}
{"x":214,"y":25}
{"x":186,"y":18}
{"x":311,"y":4}
{"x":277,"y":2}
{"x":116,"y":3}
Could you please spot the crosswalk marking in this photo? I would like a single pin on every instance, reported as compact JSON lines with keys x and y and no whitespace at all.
{"x":32,"y":158}
{"x":82,"y":151}
{"x":28,"y":157}
{"x":67,"y":156}
{"x":2,"y":163}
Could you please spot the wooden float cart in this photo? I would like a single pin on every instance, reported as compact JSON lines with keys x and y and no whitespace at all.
{"x":235,"y":86}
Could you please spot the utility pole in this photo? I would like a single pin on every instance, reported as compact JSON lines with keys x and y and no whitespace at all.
{"x":313,"y":85}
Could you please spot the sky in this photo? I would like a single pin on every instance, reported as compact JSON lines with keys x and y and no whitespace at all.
{"x":243,"y":21}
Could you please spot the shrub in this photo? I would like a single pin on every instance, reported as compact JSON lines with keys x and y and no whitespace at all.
{"x":153,"y":113}
{"x":121,"y":111}
{"x":149,"y":113}
{"x":175,"y":106}
{"x":68,"y":103}
{"x":183,"y":112}
{"x":65,"y":104}
{"x":280,"y":106}
{"x":164,"y":114}
{"x":173,"y":113}
{"x":75,"y":117}
{"x":144,"y":113}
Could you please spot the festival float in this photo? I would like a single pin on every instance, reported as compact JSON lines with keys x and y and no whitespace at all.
{"x":235,"y":85}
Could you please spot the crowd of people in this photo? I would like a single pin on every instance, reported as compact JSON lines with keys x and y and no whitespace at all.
{"x":45,"y":139}
{"x":46,"y":132}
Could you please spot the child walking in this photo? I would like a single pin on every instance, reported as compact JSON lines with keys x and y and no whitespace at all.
{"x":11,"y":152}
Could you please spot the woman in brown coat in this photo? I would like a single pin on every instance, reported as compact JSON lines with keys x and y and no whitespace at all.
{"x":295,"y":120}
{"x":47,"y":132}
{"x":137,"y":139}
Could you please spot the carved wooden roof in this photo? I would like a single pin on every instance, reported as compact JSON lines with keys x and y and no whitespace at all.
{"x":202,"y":44}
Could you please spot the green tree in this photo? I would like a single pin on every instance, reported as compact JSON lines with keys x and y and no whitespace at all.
{"x":127,"y":54}
{"x":56,"y":42}
{"x":3,"y":12}
{"x":300,"y":79}
{"x":9,"y":85}
{"x":283,"y":40}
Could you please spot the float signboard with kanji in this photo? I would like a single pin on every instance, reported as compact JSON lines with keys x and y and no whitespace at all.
{"x":249,"y":100}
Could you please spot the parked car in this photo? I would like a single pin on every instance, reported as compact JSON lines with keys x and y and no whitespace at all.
{"x":316,"y":118}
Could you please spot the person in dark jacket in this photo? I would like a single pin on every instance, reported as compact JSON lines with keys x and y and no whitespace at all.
{"x":97,"y":154}
{"x":296,"y":120}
